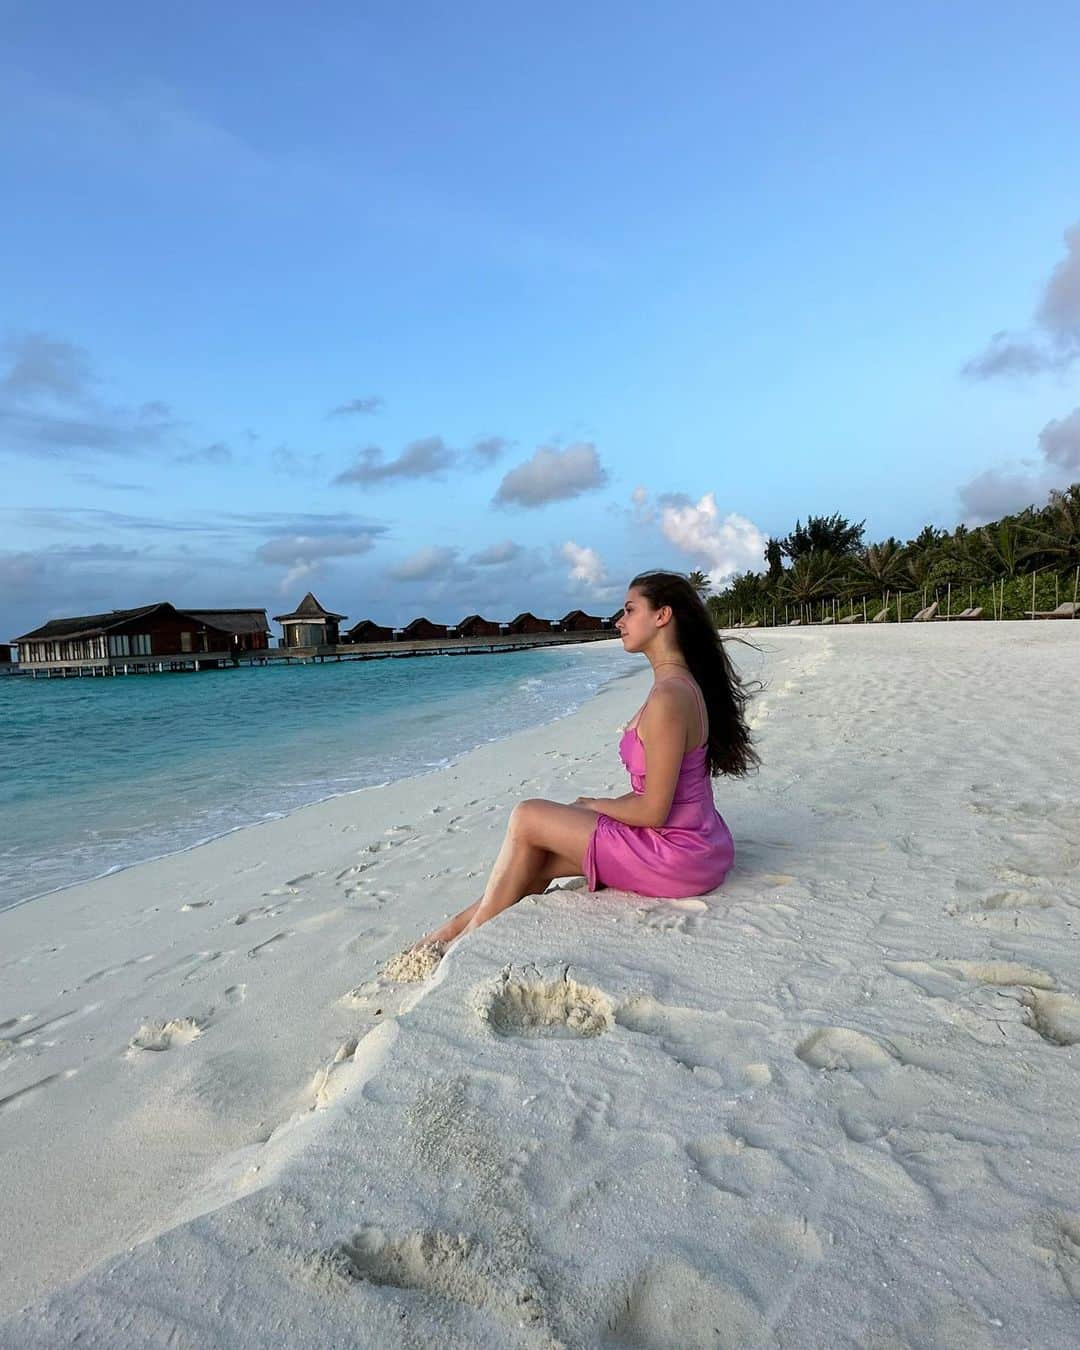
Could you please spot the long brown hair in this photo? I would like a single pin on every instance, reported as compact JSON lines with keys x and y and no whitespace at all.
{"x":729,"y":749}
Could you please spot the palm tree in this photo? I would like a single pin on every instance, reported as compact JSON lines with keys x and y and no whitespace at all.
{"x":1004,"y":546}
{"x":812,"y":576}
{"x":918,"y":570}
{"x":880,"y":566}
{"x":1056,"y":531}
{"x":700,"y":582}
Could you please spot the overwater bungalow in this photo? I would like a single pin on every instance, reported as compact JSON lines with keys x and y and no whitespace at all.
{"x":529,"y":623}
{"x":368,"y":631}
{"x":474,"y":626}
{"x":248,"y":629}
{"x":577,"y":621}
{"x":151,"y":635}
{"x":421,"y":629}
{"x":309,"y":625}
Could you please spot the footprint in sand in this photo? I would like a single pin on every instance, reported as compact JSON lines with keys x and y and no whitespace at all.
{"x":1057,"y":1243}
{"x":1000,"y":900}
{"x":672,"y":916}
{"x":29,"y":1037}
{"x":702,"y":1042}
{"x":259,"y":912}
{"x":21,"y":1095}
{"x":736,"y":1167}
{"x":195,"y":904}
{"x":109,"y":971}
{"x":362,"y":995}
{"x":326,"y":1085}
{"x":1056,"y":1017}
{"x":945,"y":979}
{"x":592,"y":1111}
{"x":559,"y":1008}
{"x":841,"y":1048}
{"x":164,"y":1035}
{"x":671,"y":1306}
{"x":451,"y":1266}
{"x":270,"y":942}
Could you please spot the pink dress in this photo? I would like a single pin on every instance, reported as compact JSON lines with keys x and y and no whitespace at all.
{"x":690,"y":854}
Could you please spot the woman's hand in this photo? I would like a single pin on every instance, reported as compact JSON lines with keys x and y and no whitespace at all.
{"x":593,"y":803}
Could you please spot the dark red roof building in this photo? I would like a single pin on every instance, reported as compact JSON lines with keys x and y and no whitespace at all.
{"x":528,"y":623}
{"x":248,"y":629}
{"x":474,"y":626}
{"x":368,"y":631}
{"x":577,"y":621}
{"x":152,"y":631}
{"x":421,"y":629}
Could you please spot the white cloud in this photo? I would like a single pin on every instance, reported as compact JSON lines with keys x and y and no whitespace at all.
{"x":506,"y":551}
{"x":371,"y":403}
{"x":49,"y":404}
{"x":424,"y":564}
{"x":585,"y":565}
{"x":553,"y":475}
{"x":997,"y":492}
{"x":1054,"y":343}
{"x":293,"y":549}
{"x":1060,"y":441}
{"x":719,"y":545}
{"x":425,"y":458}
{"x":1007,"y":488}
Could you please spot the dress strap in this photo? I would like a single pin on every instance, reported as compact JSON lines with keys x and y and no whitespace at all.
{"x":701,"y":705}
{"x":701,"y":708}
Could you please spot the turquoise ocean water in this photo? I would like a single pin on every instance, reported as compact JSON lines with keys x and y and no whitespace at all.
{"x":97,"y":774}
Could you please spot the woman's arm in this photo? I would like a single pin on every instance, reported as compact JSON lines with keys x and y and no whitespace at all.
{"x":662,"y":731}
{"x":629,"y":809}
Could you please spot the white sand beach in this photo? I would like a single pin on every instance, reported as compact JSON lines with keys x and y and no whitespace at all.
{"x":833,"y":1104}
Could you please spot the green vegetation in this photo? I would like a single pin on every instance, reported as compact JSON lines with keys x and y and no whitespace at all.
{"x":824,"y":570}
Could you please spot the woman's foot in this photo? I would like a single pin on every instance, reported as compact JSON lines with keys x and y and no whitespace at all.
{"x":451,"y":929}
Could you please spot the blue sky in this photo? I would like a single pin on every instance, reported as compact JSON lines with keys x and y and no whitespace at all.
{"x":436,"y":310}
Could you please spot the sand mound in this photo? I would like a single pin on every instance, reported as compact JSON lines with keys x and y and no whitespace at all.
{"x":415,"y":963}
{"x":164,"y":1035}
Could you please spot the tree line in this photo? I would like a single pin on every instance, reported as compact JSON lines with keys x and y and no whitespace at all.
{"x":1029,"y":560}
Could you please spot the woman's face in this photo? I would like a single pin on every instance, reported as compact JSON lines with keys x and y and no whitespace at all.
{"x":638,"y":622}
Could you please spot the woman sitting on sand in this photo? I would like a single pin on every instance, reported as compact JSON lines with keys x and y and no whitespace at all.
{"x":665,"y":837}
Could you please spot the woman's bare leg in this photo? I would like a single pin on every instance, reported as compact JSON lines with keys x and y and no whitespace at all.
{"x":448,"y":931}
{"x":543,"y":840}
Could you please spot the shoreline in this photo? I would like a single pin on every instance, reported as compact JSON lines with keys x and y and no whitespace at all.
{"x":331,"y":796}
{"x":145,"y":943}
{"x":844,"y":1081}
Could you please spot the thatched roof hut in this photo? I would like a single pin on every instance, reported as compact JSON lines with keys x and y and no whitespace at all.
{"x":309,"y":625}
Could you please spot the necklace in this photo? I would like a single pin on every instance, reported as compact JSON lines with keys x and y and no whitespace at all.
{"x":671,"y":663}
